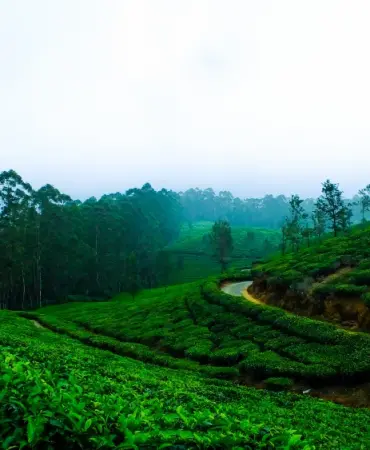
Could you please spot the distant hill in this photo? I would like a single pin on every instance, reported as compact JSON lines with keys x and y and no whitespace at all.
{"x":191,"y":259}
{"x":330,"y":279}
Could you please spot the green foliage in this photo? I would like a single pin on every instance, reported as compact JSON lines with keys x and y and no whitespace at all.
{"x":341,"y":290}
{"x":52,"y":247}
{"x":366,"y":299}
{"x":289,"y":345}
{"x":59,"y":393}
{"x":279,"y":383}
{"x":331,"y":204}
{"x":221,"y":243}
{"x":364,"y":195}
{"x":189,"y":254}
{"x":350,"y":252}
{"x":198,"y":328}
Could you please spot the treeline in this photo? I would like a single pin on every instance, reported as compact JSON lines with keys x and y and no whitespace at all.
{"x":266,"y":212}
{"x":52,"y":246}
{"x":331,"y":214}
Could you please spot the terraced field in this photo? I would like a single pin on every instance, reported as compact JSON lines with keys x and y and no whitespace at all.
{"x":200,"y":328}
{"x":329,"y":280}
{"x":57,"y":392}
{"x":178,"y":367}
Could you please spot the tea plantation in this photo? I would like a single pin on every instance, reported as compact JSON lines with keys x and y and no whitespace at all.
{"x":199,"y":328}
{"x":59,"y":393}
{"x":350,"y":252}
{"x":174,"y":368}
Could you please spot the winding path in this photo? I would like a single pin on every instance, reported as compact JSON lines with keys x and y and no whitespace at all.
{"x":236,"y":289}
{"x":240,"y":289}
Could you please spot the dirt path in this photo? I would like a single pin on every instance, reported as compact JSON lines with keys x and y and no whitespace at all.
{"x":250,"y":297}
{"x":235,"y":289}
{"x":240,"y":290}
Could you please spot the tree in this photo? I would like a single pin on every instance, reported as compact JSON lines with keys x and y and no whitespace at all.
{"x":52,"y":247}
{"x":364,"y":201}
{"x":163,"y":267}
{"x":284,"y":237}
{"x":345,"y":217}
{"x":221,"y":242}
{"x":292,"y":226}
{"x":331,"y":204}
{"x":307,"y":232}
{"x":133,"y":284}
{"x":319,"y":223}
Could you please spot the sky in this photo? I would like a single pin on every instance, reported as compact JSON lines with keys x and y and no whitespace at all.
{"x":255,"y":97}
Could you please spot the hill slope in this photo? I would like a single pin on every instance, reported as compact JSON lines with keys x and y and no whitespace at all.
{"x":58,"y":391}
{"x":199,"y":328}
{"x":331,"y":280}
{"x":191,"y":260}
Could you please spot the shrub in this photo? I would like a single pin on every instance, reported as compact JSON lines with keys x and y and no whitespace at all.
{"x":345,"y":290}
{"x":360,"y":277}
{"x":366,"y":299}
{"x":349,"y":290}
{"x":279,"y":383}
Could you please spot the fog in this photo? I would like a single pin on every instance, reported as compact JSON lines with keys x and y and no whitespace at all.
{"x":252,"y":97}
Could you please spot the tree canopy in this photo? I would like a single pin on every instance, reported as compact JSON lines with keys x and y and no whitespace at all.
{"x":52,"y":246}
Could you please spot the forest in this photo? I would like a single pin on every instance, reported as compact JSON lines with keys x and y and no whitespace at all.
{"x":53,"y":247}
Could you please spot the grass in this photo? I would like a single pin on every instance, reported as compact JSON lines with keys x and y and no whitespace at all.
{"x":57,"y":392}
{"x":192,"y":260}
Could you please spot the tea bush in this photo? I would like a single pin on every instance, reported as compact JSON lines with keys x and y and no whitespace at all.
{"x":279,"y":383}
{"x":199,"y":328}
{"x":350,"y":252}
{"x":56,"y":392}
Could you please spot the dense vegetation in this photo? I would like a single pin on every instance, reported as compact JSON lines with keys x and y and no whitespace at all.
{"x":198,"y":327}
{"x":190,"y":256}
{"x":266,"y":212}
{"x":337,"y":266}
{"x":59,"y":393}
{"x":163,"y":367}
{"x":51,"y":246}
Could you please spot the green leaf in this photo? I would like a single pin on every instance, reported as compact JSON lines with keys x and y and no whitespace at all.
{"x":88,"y":424}
{"x":30,"y":430}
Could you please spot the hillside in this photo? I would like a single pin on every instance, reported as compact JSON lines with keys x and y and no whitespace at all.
{"x":179,"y":366}
{"x":199,"y":328}
{"x":191,"y":259}
{"x":60,"y":393}
{"x":330,"y":280}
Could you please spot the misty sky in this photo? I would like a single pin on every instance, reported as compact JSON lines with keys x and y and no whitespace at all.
{"x":245,"y":95}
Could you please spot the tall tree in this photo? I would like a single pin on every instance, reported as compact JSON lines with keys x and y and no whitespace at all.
{"x":293,"y":224}
{"x":133,"y":278}
{"x":364,"y":201}
{"x":332,"y":205}
{"x":319,"y":223}
{"x":221,"y":242}
{"x":51,"y":246}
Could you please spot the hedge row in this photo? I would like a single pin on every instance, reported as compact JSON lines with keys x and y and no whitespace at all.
{"x":301,"y":347}
{"x":128,"y":349}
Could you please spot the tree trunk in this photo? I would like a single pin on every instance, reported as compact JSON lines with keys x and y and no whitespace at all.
{"x":96,"y":257}
{"x":24,"y":287}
